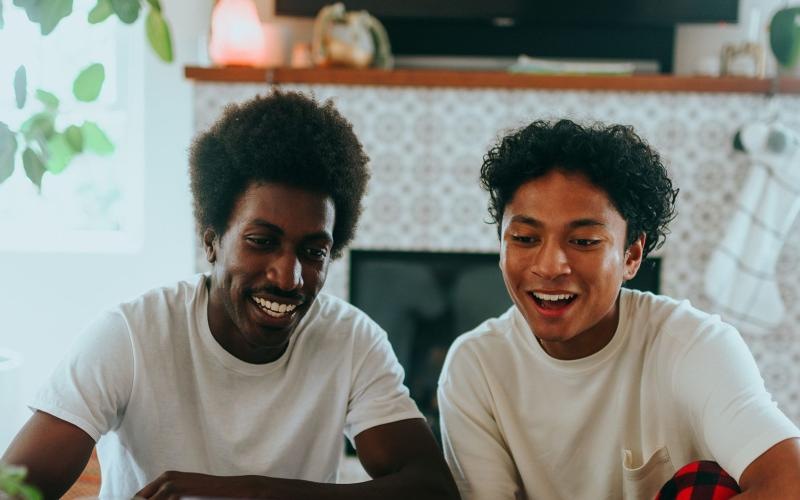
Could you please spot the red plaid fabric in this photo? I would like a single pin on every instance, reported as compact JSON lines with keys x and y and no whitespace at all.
{"x":701,"y":480}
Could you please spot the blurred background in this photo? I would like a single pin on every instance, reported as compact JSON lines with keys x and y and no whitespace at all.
{"x":85,"y":225}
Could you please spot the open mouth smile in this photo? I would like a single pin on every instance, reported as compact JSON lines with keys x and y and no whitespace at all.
{"x":275,"y":309}
{"x":553,"y":304}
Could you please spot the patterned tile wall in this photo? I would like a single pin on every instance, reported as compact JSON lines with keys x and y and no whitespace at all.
{"x":426,"y":147}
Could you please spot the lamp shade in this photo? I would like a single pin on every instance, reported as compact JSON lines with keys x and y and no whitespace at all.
{"x":236,"y":34}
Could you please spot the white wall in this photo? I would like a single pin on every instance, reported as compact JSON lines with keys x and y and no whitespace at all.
{"x":695,"y":43}
{"x":46,"y":298}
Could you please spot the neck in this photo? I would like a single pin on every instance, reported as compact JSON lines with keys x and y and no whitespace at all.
{"x":228,"y":336}
{"x":587,"y":342}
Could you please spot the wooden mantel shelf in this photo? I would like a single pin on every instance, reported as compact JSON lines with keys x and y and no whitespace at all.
{"x":490,"y":79}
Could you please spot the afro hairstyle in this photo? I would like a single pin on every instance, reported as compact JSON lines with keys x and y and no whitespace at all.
{"x":282,"y":137}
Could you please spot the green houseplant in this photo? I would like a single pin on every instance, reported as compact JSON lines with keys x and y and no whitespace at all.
{"x":12,"y":484}
{"x":784,"y":36}
{"x":41,"y":143}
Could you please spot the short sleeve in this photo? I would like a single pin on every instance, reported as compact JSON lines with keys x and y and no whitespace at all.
{"x":730,"y":409}
{"x":91,"y":386}
{"x":377,"y":394}
{"x":474,"y":448}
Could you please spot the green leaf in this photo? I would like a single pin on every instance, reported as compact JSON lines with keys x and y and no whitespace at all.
{"x":49,"y":100}
{"x":158,"y":35}
{"x":2,"y":22}
{"x":155,"y":4}
{"x":101,"y":11}
{"x":21,"y":86}
{"x":47,"y":13}
{"x":126,"y":10}
{"x":74,"y":137}
{"x":38,"y":126}
{"x":8,"y":149}
{"x":95,"y":140}
{"x":34,"y":167}
{"x":89,"y":82}
{"x":784,"y":36}
{"x":59,"y":154}
{"x":11,"y":474}
{"x":31,"y":493}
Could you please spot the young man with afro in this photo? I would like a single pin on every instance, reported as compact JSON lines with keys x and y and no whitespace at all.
{"x":584,"y":389}
{"x":242,"y":381}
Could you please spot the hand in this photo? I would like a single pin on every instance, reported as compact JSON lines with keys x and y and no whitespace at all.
{"x":174,"y":485}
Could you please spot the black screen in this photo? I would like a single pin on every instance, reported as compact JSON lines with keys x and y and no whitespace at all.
{"x":536,"y":12}
{"x":629,"y":30}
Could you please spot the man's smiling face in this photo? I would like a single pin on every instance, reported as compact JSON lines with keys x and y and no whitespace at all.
{"x":267,"y":268}
{"x":564,"y":257}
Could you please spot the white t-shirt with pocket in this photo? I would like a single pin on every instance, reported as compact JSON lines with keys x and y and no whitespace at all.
{"x":673,"y":386}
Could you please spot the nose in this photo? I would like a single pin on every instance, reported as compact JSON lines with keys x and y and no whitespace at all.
{"x":285,"y":271}
{"x":550,"y":261}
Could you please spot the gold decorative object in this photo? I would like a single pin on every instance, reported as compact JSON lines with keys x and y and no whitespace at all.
{"x":354,"y":39}
{"x":743,"y":59}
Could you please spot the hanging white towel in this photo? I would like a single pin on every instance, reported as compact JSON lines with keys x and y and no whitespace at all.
{"x":740,"y":278}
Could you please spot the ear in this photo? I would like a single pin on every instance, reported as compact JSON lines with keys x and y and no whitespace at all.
{"x":633,"y":258}
{"x":210,"y":244}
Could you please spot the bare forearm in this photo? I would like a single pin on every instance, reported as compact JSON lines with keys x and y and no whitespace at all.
{"x":402,"y":456}
{"x":775,"y":474}
{"x":788,"y":488}
{"x":768,"y":494}
{"x":416,"y":481}
{"x":53,"y":451}
{"x":51,"y":477}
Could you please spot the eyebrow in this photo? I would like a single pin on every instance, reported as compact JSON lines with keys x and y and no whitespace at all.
{"x":531,"y":221}
{"x":324,"y":235}
{"x":268,"y":225}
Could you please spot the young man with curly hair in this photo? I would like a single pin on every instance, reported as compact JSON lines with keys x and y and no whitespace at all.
{"x":241,"y":382}
{"x":584,"y":389}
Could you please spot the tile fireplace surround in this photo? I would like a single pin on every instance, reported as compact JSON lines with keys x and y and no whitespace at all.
{"x":426,"y":146}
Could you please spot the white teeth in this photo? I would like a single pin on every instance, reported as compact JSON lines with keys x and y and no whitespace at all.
{"x":547,"y":296}
{"x":274,"y":309}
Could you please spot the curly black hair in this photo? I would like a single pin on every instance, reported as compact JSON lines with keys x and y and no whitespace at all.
{"x":282,"y":137}
{"x":614,"y":158}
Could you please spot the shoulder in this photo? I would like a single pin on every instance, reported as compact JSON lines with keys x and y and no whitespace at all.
{"x":672,"y":321}
{"x":650,"y":307}
{"x":161,"y":312}
{"x":681,"y":342}
{"x":481,"y":346}
{"x":167,"y":298}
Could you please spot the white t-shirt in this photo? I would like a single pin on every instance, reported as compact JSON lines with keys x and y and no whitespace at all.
{"x":674,"y":385}
{"x":151,"y":383}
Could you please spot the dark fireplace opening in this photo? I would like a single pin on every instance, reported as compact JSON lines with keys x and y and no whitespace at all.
{"x":424,"y":300}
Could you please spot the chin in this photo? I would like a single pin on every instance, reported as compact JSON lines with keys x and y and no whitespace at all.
{"x":558,"y":332}
{"x":271,"y":341}
{"x":271,"y":336}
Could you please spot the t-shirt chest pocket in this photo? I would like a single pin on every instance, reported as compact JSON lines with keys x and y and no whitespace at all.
{"x":644,"y":481}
